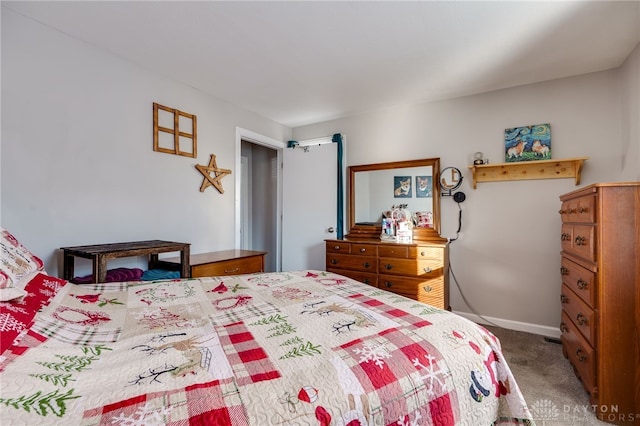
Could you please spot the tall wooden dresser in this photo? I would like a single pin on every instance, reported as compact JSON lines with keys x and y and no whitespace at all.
{"x":600,"y":269}
{"x":419,"y":271}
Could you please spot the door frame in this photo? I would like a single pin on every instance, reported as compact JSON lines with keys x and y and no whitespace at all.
{"x":256,"y":138}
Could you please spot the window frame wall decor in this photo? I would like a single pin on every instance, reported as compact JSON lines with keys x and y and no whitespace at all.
{"x":175,"y":131}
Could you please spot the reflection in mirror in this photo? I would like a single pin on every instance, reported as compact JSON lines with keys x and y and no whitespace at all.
{"x":378,"y":190}
{"x":375,"y":188}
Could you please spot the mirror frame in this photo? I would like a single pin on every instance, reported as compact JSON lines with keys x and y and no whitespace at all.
{"x":373,"y":231}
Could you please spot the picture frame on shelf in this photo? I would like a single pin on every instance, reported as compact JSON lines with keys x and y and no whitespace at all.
{"x":527,"y":143}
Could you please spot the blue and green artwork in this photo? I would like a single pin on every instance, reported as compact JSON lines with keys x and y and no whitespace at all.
{"x":527,"y":143}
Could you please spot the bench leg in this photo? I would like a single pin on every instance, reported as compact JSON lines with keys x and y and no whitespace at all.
{"x":185,"y":267}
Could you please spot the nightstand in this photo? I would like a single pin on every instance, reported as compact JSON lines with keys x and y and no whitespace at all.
{"x":225,"y":262}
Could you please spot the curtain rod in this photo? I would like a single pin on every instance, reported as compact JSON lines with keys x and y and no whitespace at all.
{"x":310,"y":142}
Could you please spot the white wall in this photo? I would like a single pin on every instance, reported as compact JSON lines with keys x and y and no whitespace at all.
{"x":78,"y":165}
{"x":507,"y":258}
{"x":631,"y":117}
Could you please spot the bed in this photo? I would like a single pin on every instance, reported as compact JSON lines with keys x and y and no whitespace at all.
{"x":282,"y":348}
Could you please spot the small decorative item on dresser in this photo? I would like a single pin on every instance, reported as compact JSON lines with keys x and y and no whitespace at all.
{"x":600,"y":293}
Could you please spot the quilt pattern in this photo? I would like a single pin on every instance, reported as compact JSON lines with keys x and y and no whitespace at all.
{"x":285,"y":348}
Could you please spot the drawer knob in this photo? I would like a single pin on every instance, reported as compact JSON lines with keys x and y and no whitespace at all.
{"x":427,"y":288}
{"x":334,"y":261}
{"x":230,"y":271}
{"x":565,"y":237}
{"x":563,"y":327}
{"x":336,"y":248}
{"x":580,"y":355}
{"x":562,"y":211}
{"x":582,"y":320}
{"x":564,"y":299}
{"x":366,"y":264}
{"x":579,"y":241}
{"x":582,"y":284}
{"x":388,"y":266}
{"x":388,"y":284}
{"x":362,"y":250}
{"x":571,"y":211}
{"x":582,"y":210}
{"x":564,"y":270}
{"x":427,"y":269}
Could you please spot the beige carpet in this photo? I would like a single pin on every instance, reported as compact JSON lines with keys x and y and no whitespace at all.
{"x":553,"y":393}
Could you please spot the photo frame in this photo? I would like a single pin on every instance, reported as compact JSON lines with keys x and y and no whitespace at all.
{"x":424,"y":186}
{"x":527,"y":143}
{"x":402,"y":187}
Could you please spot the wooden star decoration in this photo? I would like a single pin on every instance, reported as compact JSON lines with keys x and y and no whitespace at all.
{"x":208,"y":179}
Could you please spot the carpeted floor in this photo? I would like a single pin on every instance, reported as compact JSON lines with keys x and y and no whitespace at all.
{"x":553,"y":393}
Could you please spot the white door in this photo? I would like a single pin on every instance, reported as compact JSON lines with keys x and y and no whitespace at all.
{"x":309,"y":205}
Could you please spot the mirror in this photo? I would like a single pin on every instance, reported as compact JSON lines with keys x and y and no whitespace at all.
{"x":375,"y":188}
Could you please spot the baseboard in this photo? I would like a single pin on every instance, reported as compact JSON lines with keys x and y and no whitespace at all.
{"x":542,"y":330}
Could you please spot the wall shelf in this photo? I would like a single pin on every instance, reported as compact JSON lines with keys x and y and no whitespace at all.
{"x":526,"y":170}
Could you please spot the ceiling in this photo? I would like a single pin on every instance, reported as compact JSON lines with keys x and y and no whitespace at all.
{"x":303,"y":62}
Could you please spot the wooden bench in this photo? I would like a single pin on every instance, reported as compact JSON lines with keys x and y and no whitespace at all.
{"x":101,"y":253}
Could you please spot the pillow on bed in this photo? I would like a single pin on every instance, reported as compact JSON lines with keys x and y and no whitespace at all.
{"x":17,"y":315}
{"x":17,"y":264}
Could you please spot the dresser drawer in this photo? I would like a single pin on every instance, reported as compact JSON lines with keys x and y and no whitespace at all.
{"x":364,"y":249}
{"x":423,"y":268}
{"x":580,"y":280}
{"x":393,"y":250}
{"x":353,"y":262}
{"x":363,"y":277}
{"x":580,"y":354}
{"x":582,"y":316}
{"x":580,"y":210}
{"x":247,"y":265}
{"x":338,"y":247}
{"x":584,"y":241}
{"x":579,"y":240}
{"x":422,"y":252}
{"x":431,"y":291}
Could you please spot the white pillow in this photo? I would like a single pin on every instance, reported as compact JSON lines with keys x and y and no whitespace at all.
{"x":17,"y":264}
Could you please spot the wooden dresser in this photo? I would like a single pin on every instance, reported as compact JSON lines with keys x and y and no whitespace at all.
{"x":417,"y":270}
{"x":600,"y":270}
{"x":224,"y":262}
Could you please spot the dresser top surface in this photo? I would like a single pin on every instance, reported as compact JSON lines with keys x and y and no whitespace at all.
{"x":217,"y":256}
{"x":594,"y":187}
{"x":391,"y":243}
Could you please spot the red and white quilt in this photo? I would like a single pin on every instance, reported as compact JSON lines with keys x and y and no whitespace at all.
{"x":289,"y":348}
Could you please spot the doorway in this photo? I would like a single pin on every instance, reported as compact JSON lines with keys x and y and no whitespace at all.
{"x":264,"y":164}
{"x":259,"y":201}
{"x":268,"y":238}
